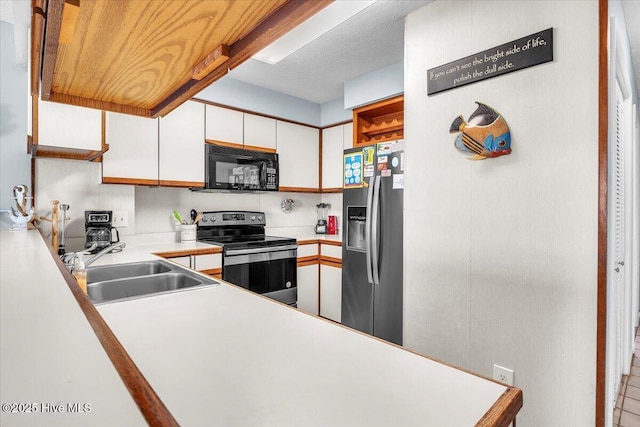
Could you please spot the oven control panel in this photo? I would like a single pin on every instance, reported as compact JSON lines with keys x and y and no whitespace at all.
{"x":221,"y":218}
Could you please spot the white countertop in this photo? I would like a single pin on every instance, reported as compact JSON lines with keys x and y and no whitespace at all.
{"x":145,"y":252}
{"x":216,"y":356}
{"x":49,"y":353}
{"x":225,"y":357}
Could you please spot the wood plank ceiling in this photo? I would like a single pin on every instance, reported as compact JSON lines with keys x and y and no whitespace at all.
{"x":146,"y":57}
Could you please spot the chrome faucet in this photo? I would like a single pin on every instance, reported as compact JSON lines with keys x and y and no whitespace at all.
{"x":117,"y":247}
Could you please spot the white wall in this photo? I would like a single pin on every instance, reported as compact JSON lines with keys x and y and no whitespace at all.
{"x":333,"y":112}
{"x":77,"y":183}
{"x":14,"y":162}
{"x":501,"y":254}
{"x":154,"y":207}
{"x":238,"y":94}
{"x":379,"y":84}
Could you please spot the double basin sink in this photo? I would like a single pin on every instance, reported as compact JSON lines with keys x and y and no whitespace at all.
{"x":118,"y":282}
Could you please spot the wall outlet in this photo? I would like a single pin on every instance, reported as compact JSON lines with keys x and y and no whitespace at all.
{"x":504,"y":375}
{"x":120,"y":219}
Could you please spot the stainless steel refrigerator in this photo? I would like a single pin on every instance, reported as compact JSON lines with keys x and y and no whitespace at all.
{"x":373,"y":187}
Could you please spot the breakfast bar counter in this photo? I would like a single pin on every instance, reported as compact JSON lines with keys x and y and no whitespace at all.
{"x":221,"y":356}
{"x":50,"y":358}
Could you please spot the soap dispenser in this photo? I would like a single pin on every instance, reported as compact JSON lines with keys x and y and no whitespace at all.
{"x":80,"y":273}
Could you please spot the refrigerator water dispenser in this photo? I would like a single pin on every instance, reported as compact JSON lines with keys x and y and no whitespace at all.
{"x":356,"y":218}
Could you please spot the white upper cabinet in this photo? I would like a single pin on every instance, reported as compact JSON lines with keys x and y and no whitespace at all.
{"x":335,"y":140}
{"x":224,"y":125}
{"x":259,"y":132}
{"x":298,"y":152}
{"x":133,"y":150}
{"x":332,"y":148}
{"x":181,"y":146}
{"x":67,"y":126}
{"x":347,"y":135}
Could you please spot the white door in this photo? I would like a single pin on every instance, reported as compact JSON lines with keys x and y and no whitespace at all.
{"x":621,"y":237}
{"x":618,"y":236}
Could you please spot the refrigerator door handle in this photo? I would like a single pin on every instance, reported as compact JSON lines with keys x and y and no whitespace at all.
{"x":367,"y":230}
{"x":375,"y":250}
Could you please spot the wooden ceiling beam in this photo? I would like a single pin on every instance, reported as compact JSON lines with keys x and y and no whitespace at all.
{"x":38,"y":21}
{"x":216,"y":65}
{"x":69,"y":19}
{"x":52,"y":34}
{"x":99,"y":105}
{"x":211,"y":62}
{"x":273,"y":27}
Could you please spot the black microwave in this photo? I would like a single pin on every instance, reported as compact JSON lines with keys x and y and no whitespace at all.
{"x":228,"y":168}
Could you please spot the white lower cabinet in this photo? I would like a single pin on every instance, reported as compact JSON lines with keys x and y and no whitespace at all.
{"x":182,"y":260}
{"x":308,"y":289}
{"x":207,"y":262}
{"x":331,"y":292}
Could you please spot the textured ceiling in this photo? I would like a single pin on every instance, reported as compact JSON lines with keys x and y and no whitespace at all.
{"x":370,"y":40}
{"x":632,"y":18}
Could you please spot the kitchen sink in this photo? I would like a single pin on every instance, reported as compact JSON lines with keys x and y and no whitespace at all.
{"x":121,"y":271}
{"x":120,"y":282}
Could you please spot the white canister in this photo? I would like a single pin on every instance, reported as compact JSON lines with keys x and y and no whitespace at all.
{"x":188,"y":232}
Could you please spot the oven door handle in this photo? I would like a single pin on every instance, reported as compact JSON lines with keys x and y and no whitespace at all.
{"x":257,"y":258}
{"x":232,"y":252}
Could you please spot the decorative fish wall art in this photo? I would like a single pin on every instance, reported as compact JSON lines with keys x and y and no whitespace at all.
{"x":485,"y":134}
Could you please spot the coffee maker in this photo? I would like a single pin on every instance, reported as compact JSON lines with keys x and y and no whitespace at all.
{"x":99,"y":231}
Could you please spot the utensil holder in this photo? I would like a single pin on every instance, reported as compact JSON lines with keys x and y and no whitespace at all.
{"x":188,"y":232}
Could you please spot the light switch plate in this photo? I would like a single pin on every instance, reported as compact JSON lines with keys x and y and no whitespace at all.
{"x":120,"y":219}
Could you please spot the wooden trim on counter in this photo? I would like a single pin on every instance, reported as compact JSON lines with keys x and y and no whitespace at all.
{"x":308,"y":242}
{"x":216,"y":272}
{"x":330,"y":242}
{"x":504,"y":410}
{"x":187,"y":252}
{"x":603,"y":172}
{"x":330,"y":261}
{"x":181,"y":184}
{"x":308,"y":260}
{"x":283,"y":189}
{"x":130,"y":181}
{"x":152,"y":408}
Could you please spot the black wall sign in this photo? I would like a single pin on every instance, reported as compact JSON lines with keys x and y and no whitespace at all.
{"x":522,"y":53}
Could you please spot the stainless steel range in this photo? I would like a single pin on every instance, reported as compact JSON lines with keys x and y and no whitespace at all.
{"x":263,"y":264}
